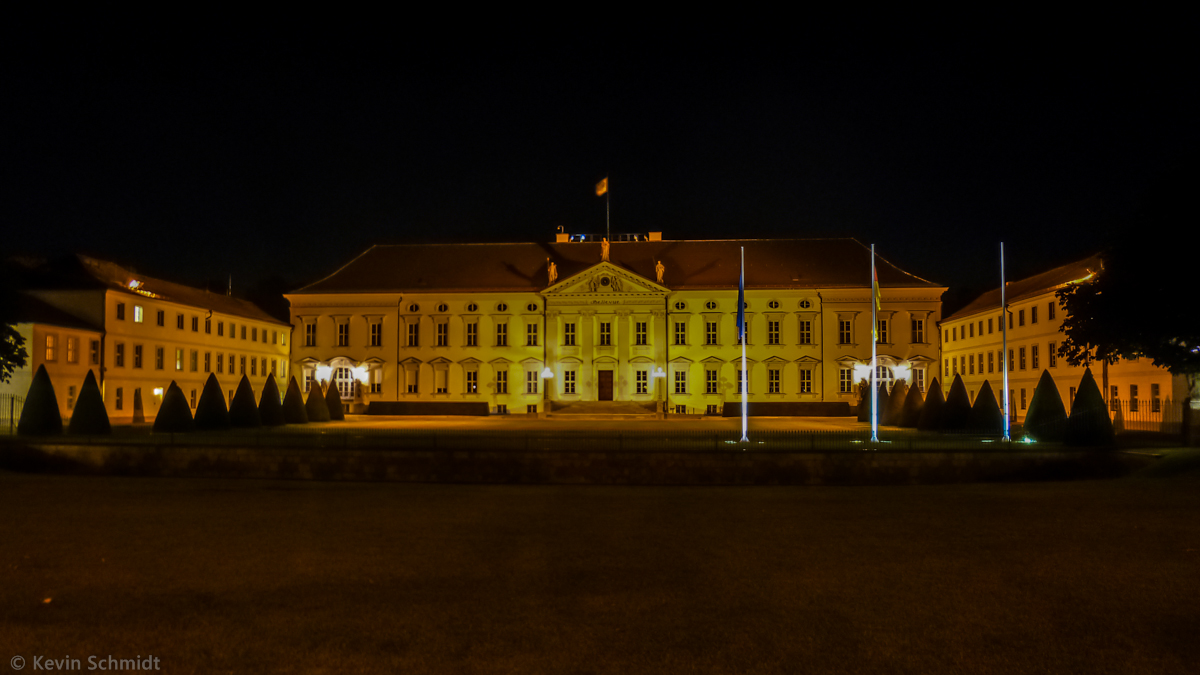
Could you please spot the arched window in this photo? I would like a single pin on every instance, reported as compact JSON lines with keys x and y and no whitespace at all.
{"x":343,"y":378}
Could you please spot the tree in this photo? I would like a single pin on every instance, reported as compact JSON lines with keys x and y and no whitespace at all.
{"x":333,"y":399}
{"x":12,"y":343}
{"x":1047,"y":417}
{"x":1089,"y":424}
{"x":315,"y":406}
{"x":211,"y":413}
{"x":957,"y":412}
{"x":294,"y":411}
{"x":270,"y":408}
{"x":931,"y":411}
{"x":985,"y":414}
{"x":243,"y":411}
{"x":910,"y":414}
{"x":89,"y":418}
{"x":893,"y":414}
{"x":174,"y":415}
{"x":40,"y":415}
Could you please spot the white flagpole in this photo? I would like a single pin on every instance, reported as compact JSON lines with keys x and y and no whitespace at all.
{"x":745,"y":375}
{"x":607,"y":211}
{"x":1004,"y":341}
{"x":874,"y":366}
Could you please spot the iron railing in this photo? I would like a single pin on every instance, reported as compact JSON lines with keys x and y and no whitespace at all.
{"x":10,"y":412}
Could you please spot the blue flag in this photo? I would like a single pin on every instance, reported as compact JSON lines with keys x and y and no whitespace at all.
{"x":741,"y":319}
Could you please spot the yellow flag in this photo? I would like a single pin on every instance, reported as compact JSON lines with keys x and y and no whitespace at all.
{"x":602,"y":187}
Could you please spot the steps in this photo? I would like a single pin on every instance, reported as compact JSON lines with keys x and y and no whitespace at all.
{"x":614,"y":410}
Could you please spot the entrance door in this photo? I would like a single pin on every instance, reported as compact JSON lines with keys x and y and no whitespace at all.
{"x":605,"y":393}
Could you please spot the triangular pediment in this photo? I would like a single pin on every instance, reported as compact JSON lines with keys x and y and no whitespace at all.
{"x":604,"y":280}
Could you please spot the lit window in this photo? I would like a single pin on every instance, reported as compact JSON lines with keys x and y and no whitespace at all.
{"x":72,"y":349}
{"x":137,"y":313}
{"x":51,"y":347}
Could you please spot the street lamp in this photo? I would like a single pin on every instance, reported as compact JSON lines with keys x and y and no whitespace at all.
{"x":547,"y":375}
{"x":659,"y":385}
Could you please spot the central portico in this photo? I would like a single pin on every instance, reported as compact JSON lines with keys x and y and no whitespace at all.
{"x":606,"y":336}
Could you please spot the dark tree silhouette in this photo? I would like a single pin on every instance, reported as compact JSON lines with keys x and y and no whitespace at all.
{"x":270,"y":408}
{"x":931,"y":411}
{"x":333,"y":400}
{"x":315,"y":406}
{"x":1089,"y":424}
{"x":211,"y":413}
{"x":957,"y":411}
{"x":985,"y":414}
{"x":1047,"y":417}
{"x":40,"y":415}
{"x":174,"y":415}
{"x":89,"y":418}
{"x":910,"y":414}
{"x":294,"y":411}
{"x":243,"y":411}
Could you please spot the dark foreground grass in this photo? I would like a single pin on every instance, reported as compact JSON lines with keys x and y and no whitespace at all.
{"x":216,"y":576}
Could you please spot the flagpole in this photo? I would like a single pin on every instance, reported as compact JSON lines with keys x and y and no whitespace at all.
{"x":742,"y":329}
{"x":607,"y":212}
{"x":1004,"y":342}
{"x":874,"y":366}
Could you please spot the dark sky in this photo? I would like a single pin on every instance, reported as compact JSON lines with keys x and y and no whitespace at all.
{"x":199,"y":159}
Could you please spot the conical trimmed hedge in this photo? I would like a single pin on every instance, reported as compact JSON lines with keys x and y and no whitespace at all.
{"x":211,"y":413}
{"x":1089,"y":424}
{"x":270,"y":408}
{"x":90,"y":418}
{"x":293,"y":405}
{"x":1047,"y":416}
{"x":174,"y":415}
{"x":315,"y":406}
{"x":243,"y":411}
{"x":883,"y":400}
{"x":931,"y":411}
{"x":957,"y":413}
{"x":894,"y":412}
{"x":40,"y":415}
{"x":910,"y":414}
{"x":985,"y":414}
{"x":864,"y":401}
{"x":333,"y":399}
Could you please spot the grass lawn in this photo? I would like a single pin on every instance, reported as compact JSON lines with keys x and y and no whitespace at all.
{"x":227,"y":576}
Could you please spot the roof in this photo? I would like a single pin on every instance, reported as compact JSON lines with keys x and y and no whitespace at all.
{"x":30,"y":309}
{"x":81,"y":272}
{"x":1036,"y":285}
{"x":770,"y":263}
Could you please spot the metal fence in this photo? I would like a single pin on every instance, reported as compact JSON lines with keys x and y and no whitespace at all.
{"x":10,"y":412}
{"x":1156,"y":415}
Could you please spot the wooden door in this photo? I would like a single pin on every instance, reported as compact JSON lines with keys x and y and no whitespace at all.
{"x":606,"y":387}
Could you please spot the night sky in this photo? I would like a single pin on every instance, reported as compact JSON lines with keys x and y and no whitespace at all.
{"x":194,"y":160}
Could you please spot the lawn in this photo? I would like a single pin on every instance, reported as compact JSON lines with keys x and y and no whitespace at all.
{"x":217,"y":576}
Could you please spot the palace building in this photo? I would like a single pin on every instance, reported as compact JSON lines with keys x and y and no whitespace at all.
{"x":535,"y":327}
{"x":138,"y":334}
{"x":971,"y":347}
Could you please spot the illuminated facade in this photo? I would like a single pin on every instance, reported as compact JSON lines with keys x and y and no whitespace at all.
{"x":57,"y":340}
{"x":147,"y":332}
{"x":971,"y":347}
{"x":534,"y":327}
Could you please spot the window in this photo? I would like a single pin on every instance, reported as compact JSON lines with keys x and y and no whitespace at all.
{"x":120,"y":311}
{"x":232,"y":365}
{"x":954,"y":334}
{"x":989,"y":327}
{"x":918,"y":331}
{"x":221,"y":330}
{"x":710,"y":382}
{"x":377,"y":381}
{"x":118,"y":355}
{"x":1021,"y":357}
{"x":919,"y":378}
{"x":1050,"y":307}
{"x":972,"y":327}
{"x":137,"y":356}
{"x":681,"y":410}
{"x":443,"y":334}
{"x":569,"y":382}
{"x":844,"y":332}
{"x":71,"y":397}
{"x":51,"y":347}
{"x":1033,"y":357}
{"x":160,"y":318}
{"x":531,"y":381}
{"x":1052,"y":354}
{"x":805,"y":381}
{"x":883,"y":331}
{"x":845,"y":381}
{"x":642,"y":378}
{"x":502,"y":307}
{"x":1010,"y":320}
{"x":343,"y":334}
{"x":605,"y":334}
{"x":196,"y":324}
{"x":710,"y":332}
{"x":413,"y":380}
{"x":243,"y":365}
{"x":712,"y":409}
{"x":414,"y":308}
{"x":711,"y":304}
{"x":119,"y":403}
{"x":1133,"y":399}
{"x":981,"y":328}
{"x":243,"y":332}
{"x":805,"y":332}
{"x":254,"y":366}
{"x":232,"y":331}
{"x":502,"y":335}
{"x":681,"y":382}
{"x":680,"y":332}
{"x":1022,"y":398}
{"x":569,"y":334}
{"x":158,"y":358}
{"x":138,"y":313}
{"x":310,"y":334}
{"x":640,"y":333}
{"x":208,"y":325}
{"x":179,"y":321}
{"x":745,"y":333}
{"x":681,"y":305}
{"x":991,"y":362}
{"x":741,"y":381}
{"x":774,"y":304}
{"x":441,"y":384}
{"x":472,"y":381}
{"x":376,"y":334}
{"x":1012,"y":361}
{"x":772,"y":380}
{"x":72,"y":349}
{"x":208,"y":362}
{"x":531,"y":334}
{"x":1033,"y":314}
{"x":772,"y":332}
{"x":1155,"y":403}
{"x":502,"y":382}
{"x":195,"y":360}
{"x":414,"y":334}
{"x":473,"y":334}
{"x":1114,"y":398}
{"x":805,"y":304}
{"x":971,"y":365}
